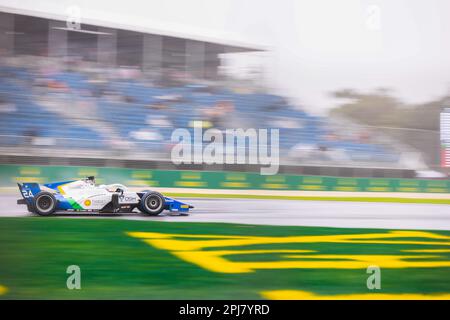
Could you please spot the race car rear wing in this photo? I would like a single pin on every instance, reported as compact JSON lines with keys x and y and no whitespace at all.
{"x":28,"y":190}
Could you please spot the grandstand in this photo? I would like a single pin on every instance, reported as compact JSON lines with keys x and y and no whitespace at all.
{"x":52,"y":98}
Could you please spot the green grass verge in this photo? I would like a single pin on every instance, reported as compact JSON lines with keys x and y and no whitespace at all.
{"x":313,"y":198}
{"x":35,"y":252}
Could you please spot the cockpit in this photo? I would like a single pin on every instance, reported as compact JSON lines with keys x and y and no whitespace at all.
{"x":115,"y":187}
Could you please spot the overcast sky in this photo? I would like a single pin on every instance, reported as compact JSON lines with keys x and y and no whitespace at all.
{"x":317,"y":45}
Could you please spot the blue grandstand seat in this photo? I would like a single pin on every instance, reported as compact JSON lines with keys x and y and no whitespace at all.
{"x":256,"y":109}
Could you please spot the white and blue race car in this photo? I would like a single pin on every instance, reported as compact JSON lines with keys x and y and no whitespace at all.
{"x":85,"y":195}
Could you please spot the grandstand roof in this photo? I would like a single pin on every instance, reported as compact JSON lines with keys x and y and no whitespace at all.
{"x":150,"y":27}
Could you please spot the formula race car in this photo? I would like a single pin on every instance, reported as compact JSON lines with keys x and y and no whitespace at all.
{"x":84,"y":195}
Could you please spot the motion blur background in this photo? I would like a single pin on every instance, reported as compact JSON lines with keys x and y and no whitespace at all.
{"x":355,"y":88}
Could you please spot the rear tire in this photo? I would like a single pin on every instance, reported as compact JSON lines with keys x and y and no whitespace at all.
{"x":44,"y":203}
{"x":152,"y":203}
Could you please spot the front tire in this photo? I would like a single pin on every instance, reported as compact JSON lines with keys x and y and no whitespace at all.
{"x":152,"y":203}
{"x":44,"y":203}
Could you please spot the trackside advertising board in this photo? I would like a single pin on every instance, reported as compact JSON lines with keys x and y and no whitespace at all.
{"x":445,"y":138}
{"x":10,"y":174}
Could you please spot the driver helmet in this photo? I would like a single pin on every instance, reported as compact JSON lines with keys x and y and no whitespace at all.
{"x":91,"y":180}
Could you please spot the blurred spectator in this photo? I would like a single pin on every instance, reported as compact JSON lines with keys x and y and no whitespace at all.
{"x":6,"y":106}
{"x":30,"y":135}
{"x":94,"y":105}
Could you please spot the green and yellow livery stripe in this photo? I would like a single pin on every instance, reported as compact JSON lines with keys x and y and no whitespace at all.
{"x":75,"y":205}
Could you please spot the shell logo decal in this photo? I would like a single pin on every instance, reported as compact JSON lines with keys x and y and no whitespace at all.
{"x":87,"y":202}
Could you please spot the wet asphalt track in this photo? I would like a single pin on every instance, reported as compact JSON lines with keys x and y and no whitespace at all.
{"x":286,"y":212}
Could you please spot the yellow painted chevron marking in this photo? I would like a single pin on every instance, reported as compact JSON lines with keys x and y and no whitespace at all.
{"x":191,"y":248}
{"x":3,"y":290}
{"x":304,"y":295}
{"x":428,"y":250}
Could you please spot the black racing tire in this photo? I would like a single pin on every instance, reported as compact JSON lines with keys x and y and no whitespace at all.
{"x":44,"y":203}
{"x":152,"y":203}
